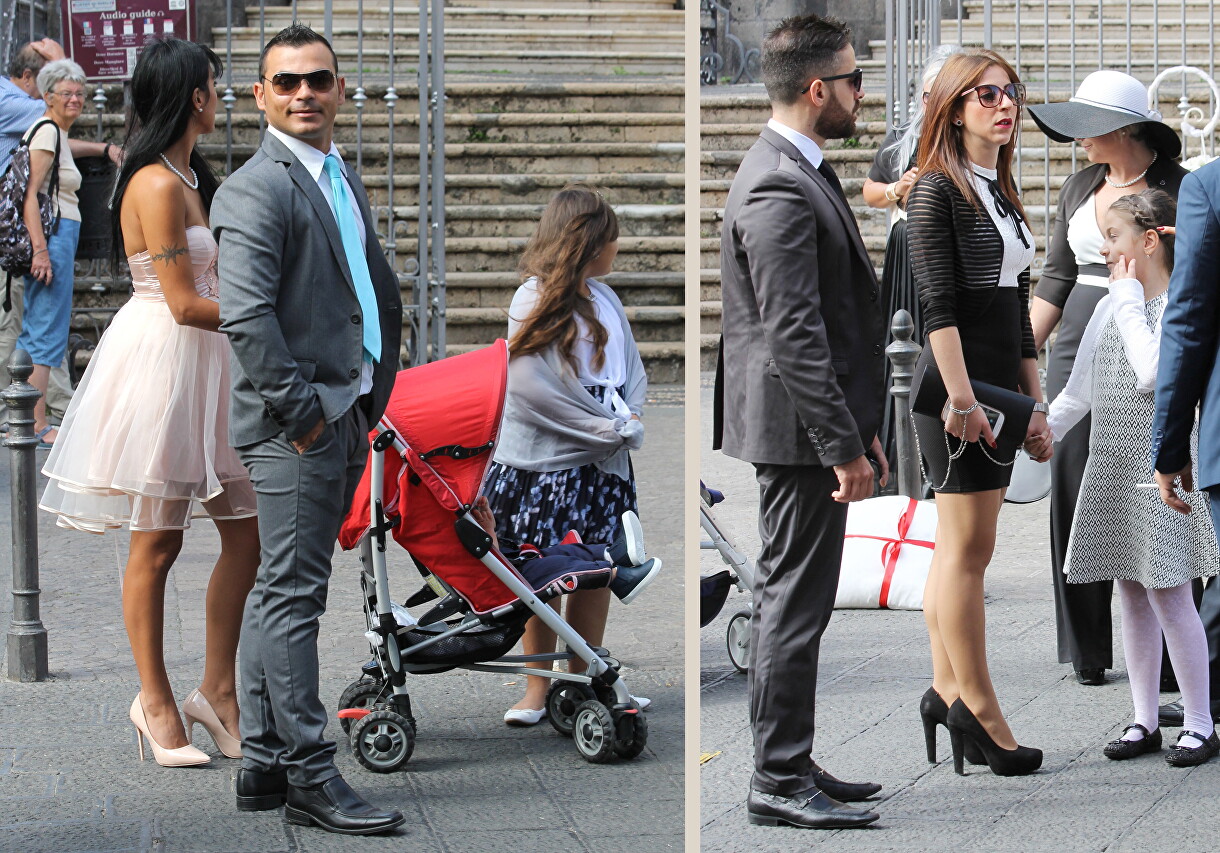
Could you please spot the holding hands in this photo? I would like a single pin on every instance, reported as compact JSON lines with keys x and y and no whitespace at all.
{"x":1038,"y":438}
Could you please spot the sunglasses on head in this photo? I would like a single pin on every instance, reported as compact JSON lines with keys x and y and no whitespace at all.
{"x":287,"y":82}
{"x":991,"y":96}
{"x":856,"y":77}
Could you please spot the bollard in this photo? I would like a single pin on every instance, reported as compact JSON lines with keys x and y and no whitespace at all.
{"x":27,"y":638}
{"x":903,"y":353}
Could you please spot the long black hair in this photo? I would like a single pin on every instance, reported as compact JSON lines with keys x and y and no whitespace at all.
{"x":166,"y":76}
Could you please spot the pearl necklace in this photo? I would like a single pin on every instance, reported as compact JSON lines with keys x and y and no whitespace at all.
{"x":195,"y":185}
{"x":1134,"y":180}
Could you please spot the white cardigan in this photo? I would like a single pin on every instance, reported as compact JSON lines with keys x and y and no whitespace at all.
{"x":1141,"y":342}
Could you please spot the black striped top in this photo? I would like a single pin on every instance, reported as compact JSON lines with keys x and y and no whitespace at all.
{"x":956,"y":256}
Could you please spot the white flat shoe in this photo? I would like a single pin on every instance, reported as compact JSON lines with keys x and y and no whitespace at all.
{"x":642,"y":701}
{"x":524,"y":716}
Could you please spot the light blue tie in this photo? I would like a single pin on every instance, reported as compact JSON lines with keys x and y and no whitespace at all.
{"x":356,"y":262}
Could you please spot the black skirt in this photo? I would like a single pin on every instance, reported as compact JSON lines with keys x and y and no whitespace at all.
{"x":992,"y":349}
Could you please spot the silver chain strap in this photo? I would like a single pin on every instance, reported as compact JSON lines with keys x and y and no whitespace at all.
{"x":953,"y":454}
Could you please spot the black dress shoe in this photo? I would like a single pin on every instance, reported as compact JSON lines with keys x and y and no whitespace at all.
{"x":1173,"y":714}
{"x":258,"y":792}
{"x":1091,"y":677}
{"x":1190,"y":756}
{"x":1120,"y":750}
{"x":811,"y":809}
{"x":844,"y":792}
{"x":335,"y":807}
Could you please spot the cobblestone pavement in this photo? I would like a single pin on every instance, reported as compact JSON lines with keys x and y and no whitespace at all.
{"x":70,"y":779}
{"x":875,"y":666}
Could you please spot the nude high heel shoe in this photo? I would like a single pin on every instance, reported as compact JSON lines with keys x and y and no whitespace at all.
{"x":196,"y":709}
{"x":183,"y":756}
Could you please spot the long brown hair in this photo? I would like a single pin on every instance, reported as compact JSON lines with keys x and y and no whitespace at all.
{"x":941,"y":149}
{"x":576,"y":225}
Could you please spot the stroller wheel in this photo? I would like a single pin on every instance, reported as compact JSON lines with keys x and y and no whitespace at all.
{"x":594,"y":732}
{"x":738,"y":640}
{"x":383,"y":741}
{"x":632,"y":735}
{"x":359,"y":694}
{"x":563,"y":698}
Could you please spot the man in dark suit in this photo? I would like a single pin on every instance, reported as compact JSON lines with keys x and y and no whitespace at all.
{"x":1188,"y":377}
{"x":313,"y":313}
{"x":800,"y":395}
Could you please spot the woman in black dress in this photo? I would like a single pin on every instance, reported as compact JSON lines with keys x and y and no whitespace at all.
{"x":1129,"y":150}
{"x":887,"y":186}
{"x":971,"y":251}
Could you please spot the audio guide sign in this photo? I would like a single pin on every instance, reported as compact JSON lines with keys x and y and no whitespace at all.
{"x":105,"y":36}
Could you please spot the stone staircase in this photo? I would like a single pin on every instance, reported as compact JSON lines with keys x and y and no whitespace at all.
{"x":512,"y":140}
{"x":731,"y":118}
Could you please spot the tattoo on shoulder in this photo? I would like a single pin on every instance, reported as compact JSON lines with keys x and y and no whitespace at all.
{"x":169,"y":254}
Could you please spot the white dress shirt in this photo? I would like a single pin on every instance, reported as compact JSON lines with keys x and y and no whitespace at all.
{"x":805,"y":145}
{"x":314,"y":162}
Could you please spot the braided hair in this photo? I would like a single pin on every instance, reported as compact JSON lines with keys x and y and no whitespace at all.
{"x":1147,"y":210}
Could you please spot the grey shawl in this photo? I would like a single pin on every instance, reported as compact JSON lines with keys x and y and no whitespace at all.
{"x":552,"y":423}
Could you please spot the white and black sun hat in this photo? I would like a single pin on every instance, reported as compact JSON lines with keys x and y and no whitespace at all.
{"x":1106,"y":101}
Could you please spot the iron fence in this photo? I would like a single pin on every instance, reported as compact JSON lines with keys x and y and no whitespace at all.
{"x":379,"y":63}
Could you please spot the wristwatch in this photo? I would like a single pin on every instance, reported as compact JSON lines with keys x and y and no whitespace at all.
{"x":1044,"y":408}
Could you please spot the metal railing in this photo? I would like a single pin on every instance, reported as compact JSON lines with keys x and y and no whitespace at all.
{"x":20,"y":21}
{"x":723,"y":57}
{"x":1171,"y":42}
{"x":378,"y":66}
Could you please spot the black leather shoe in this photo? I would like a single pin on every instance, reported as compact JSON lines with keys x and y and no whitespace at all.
{"x":1190,"y":756}
{"x":335,"y":807}
{"x":1091,"y":677}
{"x":810,"y":809}
{"x":1120,"y":750}
{"x":258,"y":792}
{"x":844,"y":792}
{"x":1173,"y":714}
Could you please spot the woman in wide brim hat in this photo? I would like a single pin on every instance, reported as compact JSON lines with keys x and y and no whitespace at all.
{"x":1130,"y":149}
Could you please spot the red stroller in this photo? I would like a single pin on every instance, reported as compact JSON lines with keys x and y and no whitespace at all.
{"x":430,"y":454}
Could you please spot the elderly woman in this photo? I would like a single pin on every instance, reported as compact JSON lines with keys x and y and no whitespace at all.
{"x":48,"y":287}
{"x":1130,"y":149}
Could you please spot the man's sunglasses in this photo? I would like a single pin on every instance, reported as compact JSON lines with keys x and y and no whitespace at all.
{"x":287,"y":83}
{"x":856,"y":77}
{"x":992,"y":96}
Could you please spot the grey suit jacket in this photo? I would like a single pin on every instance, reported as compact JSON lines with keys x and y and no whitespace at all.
{"x":288,"y":304}
{"x":800,"y":380}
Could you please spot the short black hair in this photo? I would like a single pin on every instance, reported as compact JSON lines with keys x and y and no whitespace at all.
{"x":295,"y":34}
{"x":798,"y":50}
{"x":26,"y":59}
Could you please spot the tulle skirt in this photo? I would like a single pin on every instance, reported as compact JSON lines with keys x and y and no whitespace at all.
{"x":144,"y":441}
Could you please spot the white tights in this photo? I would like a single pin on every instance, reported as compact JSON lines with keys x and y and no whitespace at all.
{"x":1146,"y":613}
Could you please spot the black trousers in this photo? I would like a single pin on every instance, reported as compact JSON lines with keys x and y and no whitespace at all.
{"x":802,"y":529}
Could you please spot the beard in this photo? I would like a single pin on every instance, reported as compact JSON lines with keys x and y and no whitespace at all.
{"x":835,"y":122}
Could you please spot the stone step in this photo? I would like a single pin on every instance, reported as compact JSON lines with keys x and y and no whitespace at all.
{"x":654,"y":323}
{"x":608,"y":5}
{"x":488,"y":254}
{"x":496,"y":289}
{"x":664,"y":361}
{"x":568,"y":17}
{"x":345,"y":39}
{"x":521,"y":220}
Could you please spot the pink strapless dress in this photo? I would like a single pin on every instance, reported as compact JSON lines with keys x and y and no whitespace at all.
{"x":144,"y":441}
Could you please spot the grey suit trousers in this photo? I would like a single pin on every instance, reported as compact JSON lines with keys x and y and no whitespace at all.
{"x":302,"y":499}
{"x":802,"y":529}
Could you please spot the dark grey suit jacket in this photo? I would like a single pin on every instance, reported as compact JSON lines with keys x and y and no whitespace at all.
{"x":800,"y":379}
{"x":288,"y":304}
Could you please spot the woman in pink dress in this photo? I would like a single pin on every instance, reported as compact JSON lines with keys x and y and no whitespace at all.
{"x":144,"y":441}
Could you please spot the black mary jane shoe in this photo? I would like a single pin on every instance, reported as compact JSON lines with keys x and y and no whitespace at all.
{"x":1192,"y":756}
{"x":1091,"y":677}
{"x":844,"y":792}
{"x":811,"y":809}
{"x":1121,"y":750}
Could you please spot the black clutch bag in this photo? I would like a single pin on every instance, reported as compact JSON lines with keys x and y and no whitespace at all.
{"x":928,"y":397}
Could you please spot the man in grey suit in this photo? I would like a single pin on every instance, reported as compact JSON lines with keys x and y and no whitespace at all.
{"x":314,"y":316}
{"x":800,"y":395}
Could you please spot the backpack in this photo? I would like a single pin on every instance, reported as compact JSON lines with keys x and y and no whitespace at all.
{"x":16,"y":251}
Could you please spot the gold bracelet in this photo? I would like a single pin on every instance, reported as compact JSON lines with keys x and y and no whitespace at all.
{"x":891,"y":193}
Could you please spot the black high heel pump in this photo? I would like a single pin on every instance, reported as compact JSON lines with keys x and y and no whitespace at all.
{"x":964,"y":726}
{"x":933,"y":711}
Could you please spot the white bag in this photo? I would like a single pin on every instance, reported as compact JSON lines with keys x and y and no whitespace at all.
{"x":886,"y":553}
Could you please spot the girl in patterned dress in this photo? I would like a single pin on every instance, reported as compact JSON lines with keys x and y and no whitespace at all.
{"x":575,"y":391}
{"x":1122,"y":531}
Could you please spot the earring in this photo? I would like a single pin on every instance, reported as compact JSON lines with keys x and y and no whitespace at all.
{"x":958,"y":122}
{"x":200,"y":110}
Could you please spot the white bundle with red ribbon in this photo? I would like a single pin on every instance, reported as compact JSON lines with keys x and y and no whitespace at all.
{"x":887,"y":553}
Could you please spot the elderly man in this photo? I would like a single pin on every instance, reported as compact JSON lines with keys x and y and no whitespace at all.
{"x":21,"y":105}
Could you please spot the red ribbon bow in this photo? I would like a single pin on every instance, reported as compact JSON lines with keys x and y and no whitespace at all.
{"x":889,"y":552}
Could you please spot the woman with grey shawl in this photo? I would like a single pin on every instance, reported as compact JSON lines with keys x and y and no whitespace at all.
{"x":575,"y":390}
